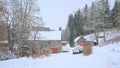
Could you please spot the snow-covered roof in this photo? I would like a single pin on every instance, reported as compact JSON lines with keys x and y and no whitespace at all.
{"x":4,"y":41}
{"x":90,"y":37}
{"x":64,"y":42}
{"x":45,"y":35}
{"x":79,"y":38}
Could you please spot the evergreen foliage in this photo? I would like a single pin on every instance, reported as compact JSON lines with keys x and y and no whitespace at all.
{"x":75,"y":24}
{"x":93,"y":19}
{"x":115,"y":15}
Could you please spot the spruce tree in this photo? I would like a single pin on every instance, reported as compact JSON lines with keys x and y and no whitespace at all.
{"x":75,"y":23}
{"x":115,"y":14}
{"x":78,"y":23}
{"x":71,"y":35}
{"x":86,"y":18}
{"x":107,"y":14}
{"x":104,"y":13}
{"x":94,"y":16}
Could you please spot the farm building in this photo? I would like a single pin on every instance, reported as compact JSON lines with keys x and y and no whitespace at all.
{"x":45,"y":42}
{"x":83,"y":45}
{"x":80,"y":40}
{"x":91,"y":37}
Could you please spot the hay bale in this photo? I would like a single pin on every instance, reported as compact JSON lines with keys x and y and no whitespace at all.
{"x":87,"y":48}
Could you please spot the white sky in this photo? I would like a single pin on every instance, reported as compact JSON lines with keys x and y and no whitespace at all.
{"x":55,"y":12}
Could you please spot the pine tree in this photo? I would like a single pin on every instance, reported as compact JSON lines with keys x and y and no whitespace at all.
{"x":104,"y":13}
{"x":94,"y":16}
{"x":115,"y":14}
{"x":75,"y":24}
{"x":86,"y":18}
{"x":79,"y":23}
{"x":71,"y":29}
{"x":86,"y":13}
{"x":107,"y":14}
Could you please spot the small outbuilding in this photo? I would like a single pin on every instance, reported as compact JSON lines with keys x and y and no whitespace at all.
{"x":82,"y":45}
{"x":80,"y":41}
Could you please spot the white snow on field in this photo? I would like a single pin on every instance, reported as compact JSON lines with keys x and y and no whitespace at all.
{"x":102,"y":57}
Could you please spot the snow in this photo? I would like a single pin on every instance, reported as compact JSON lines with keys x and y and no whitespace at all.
{"x":45,"y":35}
{"x":110,"y":34}
{"x":90,"y":37}
{"x":6,"y":54}
{"x":4,"y":41}
{"x":101,"y":57}
{"x":66,"y":48}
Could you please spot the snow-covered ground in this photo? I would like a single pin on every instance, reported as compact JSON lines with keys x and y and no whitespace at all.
{"x":101,"y":57}
{"x":107,"y":56}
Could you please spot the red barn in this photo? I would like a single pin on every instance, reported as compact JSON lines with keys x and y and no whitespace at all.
{"x":80,"y":41}
{"x":82,"y":45}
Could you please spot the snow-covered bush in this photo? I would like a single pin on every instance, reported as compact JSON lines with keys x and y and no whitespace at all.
{"x":6,"y":54}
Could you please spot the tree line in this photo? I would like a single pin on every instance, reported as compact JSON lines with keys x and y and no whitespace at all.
{"x":92,"y":19}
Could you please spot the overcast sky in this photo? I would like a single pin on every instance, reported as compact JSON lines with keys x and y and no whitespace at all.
{"x":55,"y":12}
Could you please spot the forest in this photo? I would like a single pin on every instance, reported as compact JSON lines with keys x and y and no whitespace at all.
{"x":93,"y":19}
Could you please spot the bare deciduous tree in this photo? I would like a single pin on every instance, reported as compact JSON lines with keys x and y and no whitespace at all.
{"x":24,"y":15}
